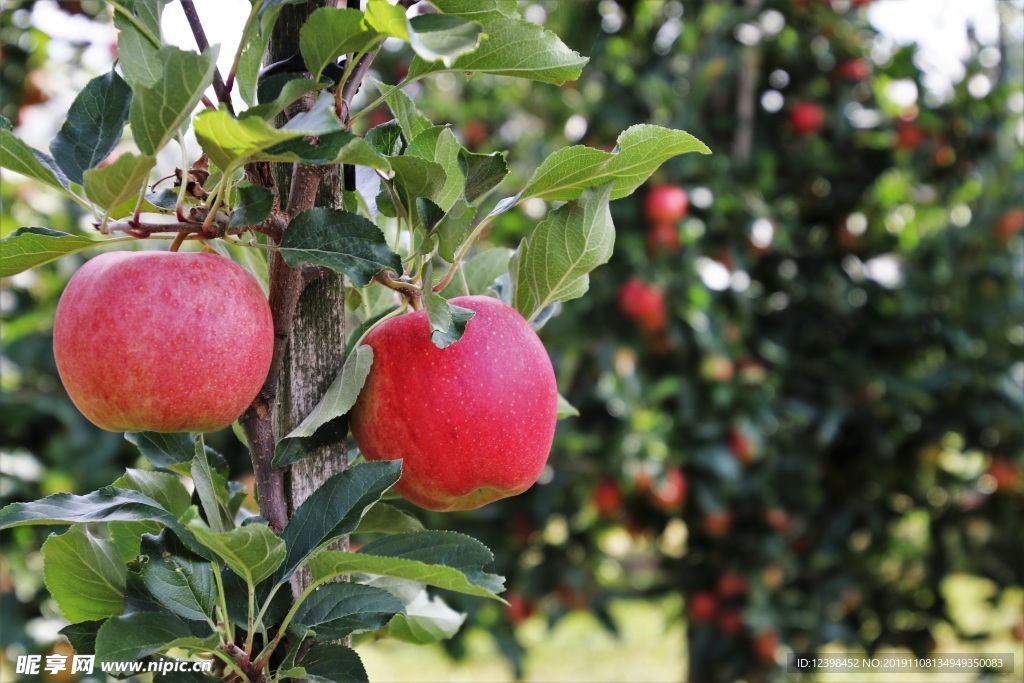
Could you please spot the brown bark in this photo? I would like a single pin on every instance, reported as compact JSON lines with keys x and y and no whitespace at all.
{"x":316,"y":344}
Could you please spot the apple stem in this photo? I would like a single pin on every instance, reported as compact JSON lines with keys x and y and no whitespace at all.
{"x":176,"y":244}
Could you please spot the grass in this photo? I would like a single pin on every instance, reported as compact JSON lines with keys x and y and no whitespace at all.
{"x":650,"y":649}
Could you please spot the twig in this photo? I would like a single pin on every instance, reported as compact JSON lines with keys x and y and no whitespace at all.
{"x":273,"y":226}
{"x":202,"y":43}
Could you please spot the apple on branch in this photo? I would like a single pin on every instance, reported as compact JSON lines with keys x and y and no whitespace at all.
{"x":162,"y":341}
{"x":472,"y":422}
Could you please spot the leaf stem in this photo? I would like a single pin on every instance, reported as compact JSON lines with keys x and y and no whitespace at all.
{"x":221,"y":596}
{"x":372,"y":105}
{"x":461,"y":253}
{"x":229,"y":82}
{"x":223,"y":657}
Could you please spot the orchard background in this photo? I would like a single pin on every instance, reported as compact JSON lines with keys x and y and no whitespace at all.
{"x":835,"y":365}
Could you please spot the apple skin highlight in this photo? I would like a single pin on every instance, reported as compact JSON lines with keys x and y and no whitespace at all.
{"x":472,"y":423}
{"x":162,"y":341}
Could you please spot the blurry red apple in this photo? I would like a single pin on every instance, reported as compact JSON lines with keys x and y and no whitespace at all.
{"x":645,"y":304}
{"x":764,"y":646}
{"x":519,"y":608}
{"x":729,"y":622}
{"x":731,"y":585}
{"x":717,"y":368}
{"x":853,"y":70}
{"x":662,"y":238}
{"x":1005,"y":474}
{"x":717,"y":523}
{"x":666,"y":204}
{"x":909,"y":135}
{"x":702,"y":607}
{"x":1009,"y":224}
{"x":473,"y":422}
{"x":670,"y":493}
{"x":607,"y":497}
{"x":742,"y":446}
{"x":806,"y":118}
{"x":162,"y":341}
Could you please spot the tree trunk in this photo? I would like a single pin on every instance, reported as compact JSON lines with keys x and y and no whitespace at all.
{"x":316,"y":346}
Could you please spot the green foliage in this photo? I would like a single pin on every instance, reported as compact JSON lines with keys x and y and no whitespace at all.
{"x":189,"y":569}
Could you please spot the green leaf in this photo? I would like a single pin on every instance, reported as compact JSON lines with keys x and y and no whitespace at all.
{"x":566,"y":409}
{"x":381,"y":518}
{"x":125,"y":178}
{"x":165,"y":489}
{"x":334,"y":510}
{"x":377,"y":311}
{"x":211,"y":488}
{"x":342,"y":241}
{"x":454,"y":228}
{"x":251,"y":62}
{"x":93,"y":126}
{"x":127,"y":536}
{"x":341,"y":395}
{"x":386,"y":138}
{"x":482,"y":269}
{"x":444,"y":559}
{"x":444,"y":38}
{"x":641,"y":150}
{"x":254,"y":206}
{"x":133,"y":636}
{"x":138,"y":49}
{"x":330,"y":33}
{"x":417,"y":177}
{"x":82,"y":636}
{"x":30,"y":247}
{"x":159,"y":109}
{"x":336,"y":610}
{"x":383,"y":17}
{"x":108,"y":504}
{"x":425,"y":619}
{"x":289,"y":451}
{"x":460,"y":317}
{"x":84,"y":574}
{"x":178,"y":580}
{"x":253,"y":551}
{"x":16,"y":156}
{"x":479,"y":10}
{"x":329,"y":663}
{"x":171,"y":451}
{"x":438,"y":144}
{"x":339,"y":147}
{"x":552,"y":264}
{"x":319,"y":119}
{"x":229,"y":141}
{"x":409,"y":117}
{"x":280,"y":90}
{"x":483,"y":173}
{"x":516,"y":48}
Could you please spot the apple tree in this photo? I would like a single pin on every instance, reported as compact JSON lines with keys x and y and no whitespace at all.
{"x":799,"y":404}
{"x":338,"y":222}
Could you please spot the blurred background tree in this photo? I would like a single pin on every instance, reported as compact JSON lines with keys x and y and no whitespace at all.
{"x":801,"y":405}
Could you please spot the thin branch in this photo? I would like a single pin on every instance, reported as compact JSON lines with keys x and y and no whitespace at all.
{"x":273,"y":226}
{"x":202,"y":43}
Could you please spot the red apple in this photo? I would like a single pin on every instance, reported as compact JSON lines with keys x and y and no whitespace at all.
{"x":731,"y":585}
{"x":666,"y":204}
{"x":162,"y":341}
{"x":765,"y":645}
{"x":670,"y":493}
{"x":518,"y":609}
{"x":607,"y":497}
{"x":1009,"y":224}
{"x":473,"y":422}
{"x":702,"y":607}
{"x":909,"y":135}
{"x":806,"y":118}
{"x":742,"y":446}
{"x":1005,"y":474}
{"x":777,"y":519}
{"x":853,"y":70}
{"x":717,"y":368}
{"x":729,"y":622}
{"x":662,"y":238}
{"x":717,"y":523}
{"x":645,"y":304}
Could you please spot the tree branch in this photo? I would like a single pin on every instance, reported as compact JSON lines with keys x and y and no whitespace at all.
{"x":202,"y":43}
{"x":273,"y":226}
